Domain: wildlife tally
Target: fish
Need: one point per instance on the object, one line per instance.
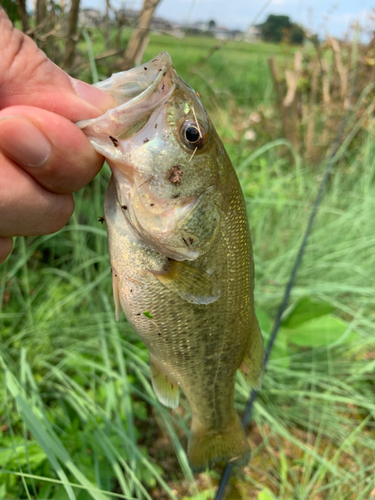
(180, 251)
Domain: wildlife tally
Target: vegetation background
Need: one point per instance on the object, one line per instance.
(78, 417)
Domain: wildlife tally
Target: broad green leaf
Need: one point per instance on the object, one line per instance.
(266, 495)
(321, 331)
(203, 495)
(264, 320)
(280, 353)
(306, 310)
(15, 456)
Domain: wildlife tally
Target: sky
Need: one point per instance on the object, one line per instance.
(321, 16)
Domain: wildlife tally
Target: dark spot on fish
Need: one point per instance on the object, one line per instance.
(152, 204)
(131, 291)
(176, 195)
(145, 68)
(156, 125)
(215, 220)
(153, 60)
(145, 140)
(186, 243)
(160, 69)
(163, 87)
(101, 219)
(159, 334)
(138, 314)
(164, 73)
(198, 94)
(124, 207)
(176, 175)
(114, 140)
(191, 240)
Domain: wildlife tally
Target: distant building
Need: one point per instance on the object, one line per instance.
(160, 24)
(222, 33)
(128, 17)
(253, 34)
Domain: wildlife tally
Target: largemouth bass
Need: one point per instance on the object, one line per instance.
(180, 250)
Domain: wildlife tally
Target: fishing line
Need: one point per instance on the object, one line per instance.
(330, 162)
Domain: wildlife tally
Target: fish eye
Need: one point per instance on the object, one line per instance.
(193, 134)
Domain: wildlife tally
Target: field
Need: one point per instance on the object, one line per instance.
(78, 417)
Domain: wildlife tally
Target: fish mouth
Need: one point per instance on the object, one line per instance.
(137, 83)
(139, 91)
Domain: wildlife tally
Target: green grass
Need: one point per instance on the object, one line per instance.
(78, 417)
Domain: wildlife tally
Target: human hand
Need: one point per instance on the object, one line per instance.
(44, 157)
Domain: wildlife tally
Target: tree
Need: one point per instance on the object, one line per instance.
(280, 28)
(296, 34)
(211, 24)
(140, 36)
(72, 38)
(273, 29)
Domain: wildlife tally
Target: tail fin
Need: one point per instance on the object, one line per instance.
(207, 446)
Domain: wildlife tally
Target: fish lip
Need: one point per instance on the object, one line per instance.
(144, 73)
(156, 71)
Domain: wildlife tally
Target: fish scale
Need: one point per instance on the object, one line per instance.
(181, 256)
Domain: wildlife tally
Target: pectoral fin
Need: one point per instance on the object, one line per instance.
(116, 293)
(252, 364)
(190, 283)
(166, 390)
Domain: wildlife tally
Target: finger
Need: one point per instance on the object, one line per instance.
(55, 152)
(6, 245)
(26, 208)
(28, 77)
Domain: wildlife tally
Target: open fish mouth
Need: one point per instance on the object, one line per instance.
(139, 91)
(137, 83)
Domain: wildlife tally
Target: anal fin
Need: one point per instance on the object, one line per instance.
(166, 390)
(190, 283)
